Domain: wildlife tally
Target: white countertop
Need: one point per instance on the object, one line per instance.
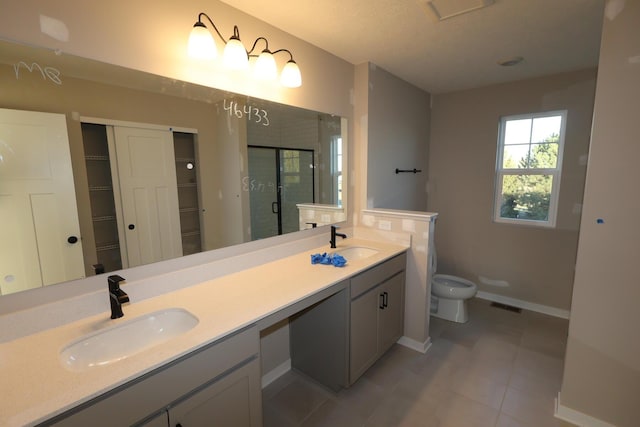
(34, 386)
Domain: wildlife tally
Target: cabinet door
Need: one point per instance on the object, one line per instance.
(391, 315)
(364, 333)
(230, 401)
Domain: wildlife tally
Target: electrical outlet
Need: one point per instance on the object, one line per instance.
(384, 225)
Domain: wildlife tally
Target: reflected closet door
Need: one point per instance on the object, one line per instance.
(148, 194)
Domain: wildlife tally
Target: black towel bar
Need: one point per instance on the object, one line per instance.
(414, 170)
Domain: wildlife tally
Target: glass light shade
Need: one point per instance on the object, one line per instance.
(235, 55)
(291, 76)
(201, 44)
(266, 68)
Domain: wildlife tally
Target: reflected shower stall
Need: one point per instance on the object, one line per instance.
(279, 179)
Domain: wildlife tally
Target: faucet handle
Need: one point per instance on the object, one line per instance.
(114, 282)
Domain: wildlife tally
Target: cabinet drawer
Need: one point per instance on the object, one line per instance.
(146, 395)
(376, 275)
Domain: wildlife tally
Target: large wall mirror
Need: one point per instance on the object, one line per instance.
(104, 168)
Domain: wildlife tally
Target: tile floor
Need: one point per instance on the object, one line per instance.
(500, 369)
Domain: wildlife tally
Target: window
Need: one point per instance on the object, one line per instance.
(290, 166)
(529, 162)
(336, 168)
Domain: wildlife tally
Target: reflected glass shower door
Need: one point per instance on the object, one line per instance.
(263, 192)
(279, 179)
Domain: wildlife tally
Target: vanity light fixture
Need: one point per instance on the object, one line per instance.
(235, 57)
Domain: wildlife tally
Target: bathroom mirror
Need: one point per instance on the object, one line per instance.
(159, 168)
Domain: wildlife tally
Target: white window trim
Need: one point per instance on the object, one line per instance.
(336, 168)
(556, 172)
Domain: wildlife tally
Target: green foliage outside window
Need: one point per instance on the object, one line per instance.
(528, 196)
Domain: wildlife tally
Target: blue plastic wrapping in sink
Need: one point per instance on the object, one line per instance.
(329, 259)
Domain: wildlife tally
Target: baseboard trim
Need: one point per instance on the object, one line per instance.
(276, 373)
(544, 309)
(422, 347)
(576, 417)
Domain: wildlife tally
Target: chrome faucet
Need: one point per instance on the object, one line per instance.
(334, 235)
(117, 296)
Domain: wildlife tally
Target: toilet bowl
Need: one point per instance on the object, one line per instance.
(449, 295)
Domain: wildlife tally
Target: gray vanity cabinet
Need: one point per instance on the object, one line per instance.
(216, 385)
(227, 402)
(377, 314)
(337, 339)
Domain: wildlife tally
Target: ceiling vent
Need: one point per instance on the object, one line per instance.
(445, 9)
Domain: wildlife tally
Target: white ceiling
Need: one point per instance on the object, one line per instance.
(461, 52)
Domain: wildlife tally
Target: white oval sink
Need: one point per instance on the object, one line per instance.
(354, 253)
(126, 339)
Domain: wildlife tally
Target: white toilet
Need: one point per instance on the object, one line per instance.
(449, 295)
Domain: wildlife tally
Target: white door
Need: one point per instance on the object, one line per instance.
(150, 217)
(39, 231)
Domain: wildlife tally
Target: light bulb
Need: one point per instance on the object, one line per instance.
(235, 55)
(266, 68)
(291, 76)
(201, 44)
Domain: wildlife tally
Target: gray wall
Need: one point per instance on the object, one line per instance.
(537, 263)
(602, 364)
(398, 137)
